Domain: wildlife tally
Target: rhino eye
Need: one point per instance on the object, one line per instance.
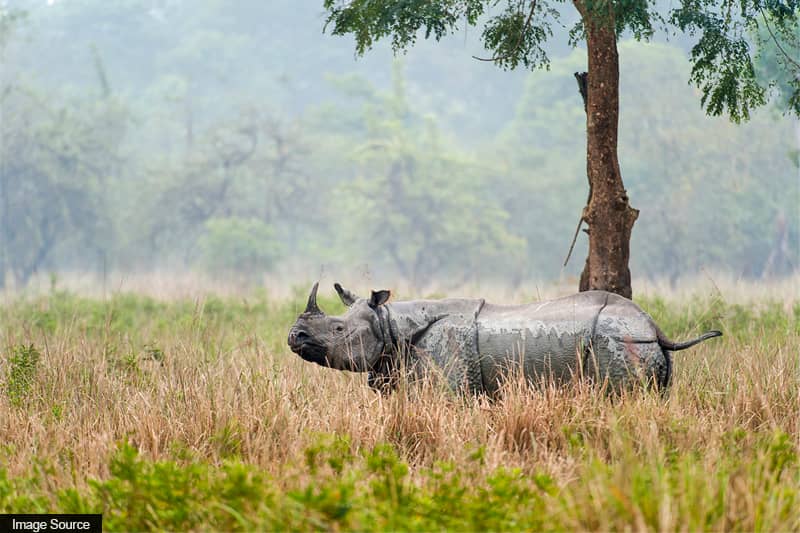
(340, 328)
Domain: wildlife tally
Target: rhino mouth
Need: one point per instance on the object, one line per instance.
(312, 352)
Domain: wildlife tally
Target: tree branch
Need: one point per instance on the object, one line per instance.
(583, 88)
(775, 40)
(580, 8)
(522, 31)
(574, 238)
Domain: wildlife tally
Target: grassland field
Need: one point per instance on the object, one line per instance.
(190, 413)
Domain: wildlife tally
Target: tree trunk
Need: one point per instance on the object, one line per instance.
(608, 214)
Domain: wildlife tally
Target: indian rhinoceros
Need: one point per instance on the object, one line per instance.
(595, 334)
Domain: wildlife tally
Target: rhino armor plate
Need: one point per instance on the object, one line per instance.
(594, 334)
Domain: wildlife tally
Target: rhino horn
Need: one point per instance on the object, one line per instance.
(347, 297)
(311, 306)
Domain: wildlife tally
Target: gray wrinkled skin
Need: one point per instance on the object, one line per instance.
(593, 334)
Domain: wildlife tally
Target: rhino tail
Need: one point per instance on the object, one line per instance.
(674, 346)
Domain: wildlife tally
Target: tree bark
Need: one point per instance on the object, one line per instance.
(608, 214)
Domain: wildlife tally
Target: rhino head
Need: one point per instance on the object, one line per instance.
(354, 341)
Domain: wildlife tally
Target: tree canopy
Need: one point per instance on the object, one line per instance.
(722, 57)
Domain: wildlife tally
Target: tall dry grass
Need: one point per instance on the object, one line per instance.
(211, 380)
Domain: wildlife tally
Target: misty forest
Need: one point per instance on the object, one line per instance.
(184, 182)
(236, 139)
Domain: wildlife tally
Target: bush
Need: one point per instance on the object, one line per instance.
(22, 365)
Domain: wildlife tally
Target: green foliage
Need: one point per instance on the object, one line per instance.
(369, 20)
(722, 65)
(228, 439)
(514, 40)
(371, 491)
(22, 364)
(141, 494)
(778, 60)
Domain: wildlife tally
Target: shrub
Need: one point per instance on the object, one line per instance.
(22, 363)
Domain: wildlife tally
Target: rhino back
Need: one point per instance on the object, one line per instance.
(623, 320)
(550, 338)
(544, 336)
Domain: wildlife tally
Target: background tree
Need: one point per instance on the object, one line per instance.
(160, 135)
(722, 68)
(419, 203)
(234, 245)
(55, 162)
(249, 170)
(675, 162)
(779, 60)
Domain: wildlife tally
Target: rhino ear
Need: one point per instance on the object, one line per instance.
(347, 297)
(379, 298)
